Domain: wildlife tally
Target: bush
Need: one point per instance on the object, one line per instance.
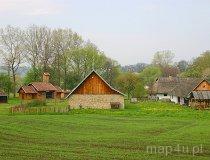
(36, 103)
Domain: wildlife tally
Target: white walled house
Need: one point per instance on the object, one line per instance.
(175, 89)
(167, 96)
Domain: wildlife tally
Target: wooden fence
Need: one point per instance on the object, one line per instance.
(38, 110)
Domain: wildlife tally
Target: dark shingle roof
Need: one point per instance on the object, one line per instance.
(201, 95)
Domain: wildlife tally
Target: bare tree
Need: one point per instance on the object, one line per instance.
(46, 48)
(32, 45)
(163, 58)
(12, 50)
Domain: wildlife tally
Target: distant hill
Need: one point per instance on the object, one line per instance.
(135, 67)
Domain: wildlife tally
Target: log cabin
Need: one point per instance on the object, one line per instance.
(41, 90)
(200, 96)
(94, 92)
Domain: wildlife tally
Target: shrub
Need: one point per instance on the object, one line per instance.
(36, 103)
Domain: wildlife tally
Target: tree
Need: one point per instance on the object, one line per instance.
(139, 90)
(33, 75)
(170, 71)
(127, 82)
(111, 71)
(182, 65)
(163, 58)
(5, 83)
(199, 66)
(11, 41)
(149, 74)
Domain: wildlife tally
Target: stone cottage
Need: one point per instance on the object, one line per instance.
(95, 92)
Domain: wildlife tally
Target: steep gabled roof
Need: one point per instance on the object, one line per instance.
(93, 71)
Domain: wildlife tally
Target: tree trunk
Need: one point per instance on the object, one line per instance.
(65, 73)
(8, 92)
(14, 83)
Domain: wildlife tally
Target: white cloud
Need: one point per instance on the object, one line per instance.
(30, 7)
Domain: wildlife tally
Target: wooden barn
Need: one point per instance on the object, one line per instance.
(200, 96)
(3, 98)
(41, 90)
(95, 92)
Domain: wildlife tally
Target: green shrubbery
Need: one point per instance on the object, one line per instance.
(36, 103)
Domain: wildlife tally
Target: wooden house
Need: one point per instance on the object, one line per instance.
(95, 92)
(3, 97)
(200, 96)
(40, 90)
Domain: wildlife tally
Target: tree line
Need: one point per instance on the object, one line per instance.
(61, 52)
(68, 58)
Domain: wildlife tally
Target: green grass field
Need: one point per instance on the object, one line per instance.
(107, 134)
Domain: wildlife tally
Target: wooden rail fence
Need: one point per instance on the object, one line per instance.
(38, 110)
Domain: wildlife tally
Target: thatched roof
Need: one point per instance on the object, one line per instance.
(175, 86)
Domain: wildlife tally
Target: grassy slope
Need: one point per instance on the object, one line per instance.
(104, 134)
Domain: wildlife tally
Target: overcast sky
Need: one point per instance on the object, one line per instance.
(129, 31)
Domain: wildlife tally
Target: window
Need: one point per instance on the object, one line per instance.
(49, 94)
(165, 94)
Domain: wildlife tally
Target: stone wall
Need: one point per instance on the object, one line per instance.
(95, 101)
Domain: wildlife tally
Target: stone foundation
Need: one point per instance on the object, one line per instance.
(77, 101)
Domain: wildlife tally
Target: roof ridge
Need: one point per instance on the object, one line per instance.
(94, 71)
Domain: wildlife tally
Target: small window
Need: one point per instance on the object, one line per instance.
(165, 94)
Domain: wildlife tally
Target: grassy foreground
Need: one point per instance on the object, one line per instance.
(107, 134)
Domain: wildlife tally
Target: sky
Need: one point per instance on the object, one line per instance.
(129, 31)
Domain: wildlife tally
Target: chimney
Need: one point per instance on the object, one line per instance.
(46, 77)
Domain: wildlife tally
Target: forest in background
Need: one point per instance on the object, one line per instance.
(69, 58)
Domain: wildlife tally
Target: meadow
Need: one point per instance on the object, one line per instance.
(174, 132)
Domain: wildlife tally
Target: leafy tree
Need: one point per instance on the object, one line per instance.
(33, 75)
(199, 67)
(139, 90)
(127, 83)
(149, 74)
(182, 65)
(5, 83)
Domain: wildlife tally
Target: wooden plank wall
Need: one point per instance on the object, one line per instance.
(204, 86)
(94, 85)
